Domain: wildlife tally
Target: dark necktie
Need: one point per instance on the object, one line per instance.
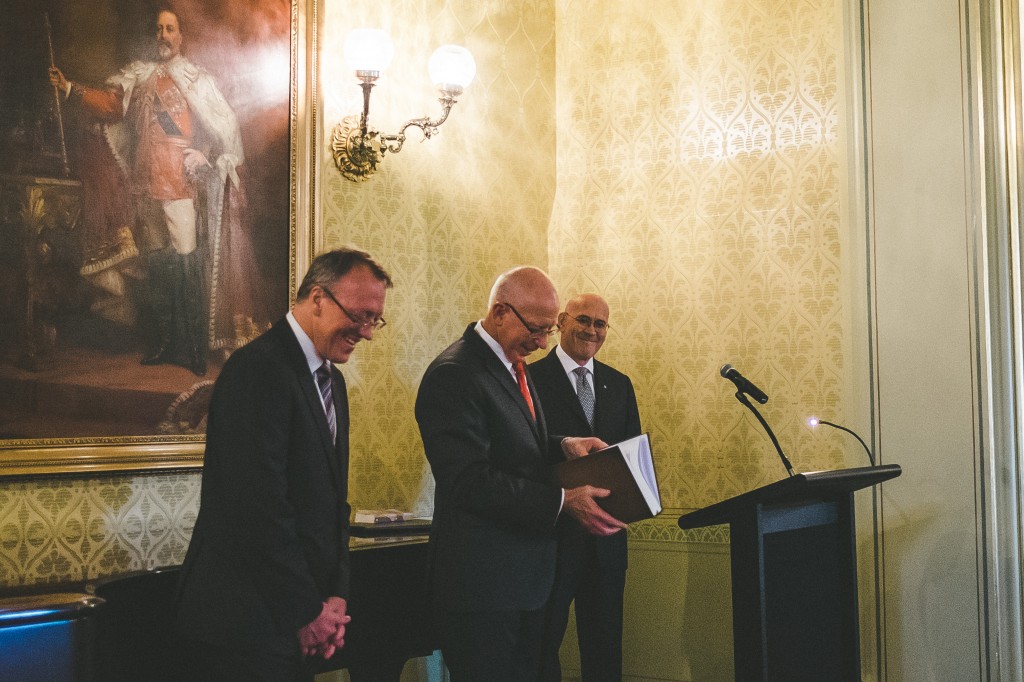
(585, 394)
(323, 381)
(520, 370)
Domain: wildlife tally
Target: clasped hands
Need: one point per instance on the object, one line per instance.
(326, 634)
(581, 503)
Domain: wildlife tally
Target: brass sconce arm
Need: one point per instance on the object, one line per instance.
(393, 143)
(357, 148)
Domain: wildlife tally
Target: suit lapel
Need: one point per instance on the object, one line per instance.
(568, 390)
(610, 404)
(339, 460)
(504, 378)
(508, 384)
(600, 396)
(541, 425)
(316, 406)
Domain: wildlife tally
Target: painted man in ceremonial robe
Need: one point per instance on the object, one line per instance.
(177, 141)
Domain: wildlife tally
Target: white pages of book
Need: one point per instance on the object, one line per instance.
(637, 453)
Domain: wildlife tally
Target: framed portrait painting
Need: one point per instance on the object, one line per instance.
(152, 161)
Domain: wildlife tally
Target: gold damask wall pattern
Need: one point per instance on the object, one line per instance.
(698, 174)
(445, 216)
(699, 188)
(72, 530)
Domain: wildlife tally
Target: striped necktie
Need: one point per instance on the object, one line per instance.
(585, 394)
(323, 381)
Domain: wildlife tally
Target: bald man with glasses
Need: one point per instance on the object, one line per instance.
(584, 397)
(492, 545)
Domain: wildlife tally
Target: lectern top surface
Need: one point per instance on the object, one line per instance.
(813, 485)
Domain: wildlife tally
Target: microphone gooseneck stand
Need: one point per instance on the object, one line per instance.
(740, 396)
(871, 458)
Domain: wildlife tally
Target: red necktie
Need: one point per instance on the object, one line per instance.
(520, 369)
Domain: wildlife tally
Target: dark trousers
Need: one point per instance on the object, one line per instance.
(212, 663)
(492, 646)
(597, 591)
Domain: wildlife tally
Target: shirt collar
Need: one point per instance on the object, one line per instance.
(569, 365)
(493, 345)
(313, 358)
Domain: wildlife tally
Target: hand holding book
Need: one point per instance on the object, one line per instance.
(576, 447)
(626, 469)
(582, 504)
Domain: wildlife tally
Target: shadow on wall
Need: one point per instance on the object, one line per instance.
(678, 614)
(705, 613)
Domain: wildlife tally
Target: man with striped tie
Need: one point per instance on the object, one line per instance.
(265, 581)
(585, 397)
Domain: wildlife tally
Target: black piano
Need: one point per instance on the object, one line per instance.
(390, 618)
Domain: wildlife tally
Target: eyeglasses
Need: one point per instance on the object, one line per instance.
(534, 331)
(375, 323)
(586, 321)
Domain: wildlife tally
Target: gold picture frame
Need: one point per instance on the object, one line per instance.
(86, 454)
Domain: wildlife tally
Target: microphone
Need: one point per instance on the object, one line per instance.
(814, 421)
(745, 388)
(743, 385)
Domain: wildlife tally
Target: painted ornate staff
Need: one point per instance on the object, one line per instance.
(56, 98)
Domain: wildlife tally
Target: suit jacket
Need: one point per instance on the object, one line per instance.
(492, 545)
(616, 418)
(270, 543)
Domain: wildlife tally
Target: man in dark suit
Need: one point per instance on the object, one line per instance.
(492, 545)
(584, 397)
(265, 580)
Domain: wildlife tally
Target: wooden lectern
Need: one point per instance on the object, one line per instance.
(794, 575)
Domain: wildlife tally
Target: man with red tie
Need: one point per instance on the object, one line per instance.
(492, 545)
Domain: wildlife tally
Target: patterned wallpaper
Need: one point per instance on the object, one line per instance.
(699, 191)
(72, 530)
(695, 181)
(445, 216)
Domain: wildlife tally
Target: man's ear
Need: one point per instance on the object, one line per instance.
(316, 297)
(561, 319)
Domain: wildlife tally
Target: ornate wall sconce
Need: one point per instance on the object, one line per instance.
(358, 148)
